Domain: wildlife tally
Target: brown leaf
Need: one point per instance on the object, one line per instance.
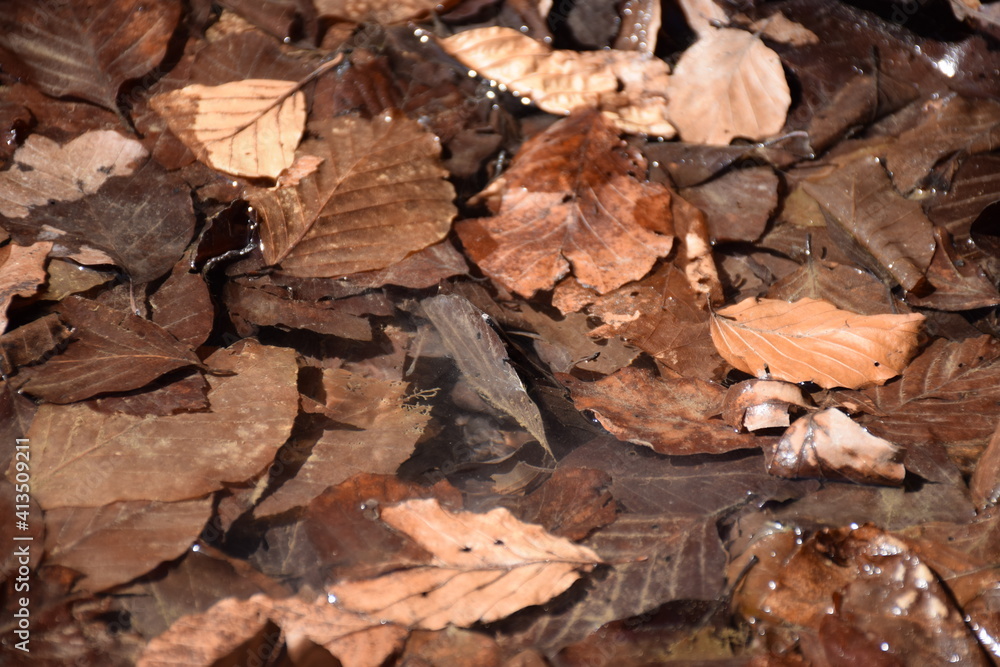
(627, 87)
(572, 503)
(83, 458)
(757, 404)
(246, 128)
(958, 284)
(952, 126)
(29, 343)
(386, 13)
(973, 188)
(22, 270)
(118, 542)
(200, 640)
(949, 394)
(88, 49)
(813, 341)
(828, 444)
(738, 204)
(44, 172)
(865, 212)
(110, 350)
(331, 224)
(384, 433)
(985, 482)
(728, 85)
(482, 358)
(571, 197)
(486, 567)
(846, 287)
(183, 306)
(67, 277)
(422, 269)
(167, 395)
(670, 416)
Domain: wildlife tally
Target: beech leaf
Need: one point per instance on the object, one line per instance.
(245, 128)
(22, 270)
(332, 223)
(628, 87)
(727, 85)
(85, 458)
(485, 567)
(571, 197)
(812, 340)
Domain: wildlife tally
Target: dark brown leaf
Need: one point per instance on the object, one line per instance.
(670, 416)
(164, 396)
(183, 306)
(738, 204)
(29, 343)
(88, 49)
(864, 210)
(985, 482)
(958, 283)
(975, 186)
(572, 197)
(110, 351)
(846, 287)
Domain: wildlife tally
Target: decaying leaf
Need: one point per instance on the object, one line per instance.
(29, 343)
(116, 543)
(84, 458)
(728, 85)
(864, 211)
(985, 482)
(485, 567)
(482, 358)
(628, 87)
(757, 404)
(386, 13)
(670, 416)
(957, 284)
(571, 197)
(22, 270)
(44, 172)
(331, 223)
(846, 287)
(830, 444)
(88, 49)
(246, 128)
(812, 340)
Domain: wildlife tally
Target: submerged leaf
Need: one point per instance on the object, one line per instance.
(813, 341)
(332, 222)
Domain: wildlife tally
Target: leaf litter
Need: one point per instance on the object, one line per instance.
(329, 349)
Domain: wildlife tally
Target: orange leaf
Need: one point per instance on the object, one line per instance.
(813, 341)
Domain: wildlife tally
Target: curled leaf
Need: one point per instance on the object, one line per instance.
(812, 340)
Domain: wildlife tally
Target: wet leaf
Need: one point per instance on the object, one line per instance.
(31, 342)
(758, 404)
(22, 270)
(84, 458)
(829, 444)
(118, 542)
(846, 287)
(738, 204)
(670, 416)
(958, 284)
(985, 482)
(386, 13)
(329, 224)
(813, 341)
(973, 188)
(728, 85)
(88, 49)
(245, 128)
(864, 210)
(485, 567)
(110, 350)
(627, 87)
(571, 198)
(183, 306)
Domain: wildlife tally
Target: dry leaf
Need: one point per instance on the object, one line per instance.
(780, 29)
(485, 567)
(22, 270)
(482, 358)
(333, 223)
(84, 458)
(246, 128)
(44, 172)
(757, 404)
(813, 341)
(727, 85)
(830, 444)
(571, 197)
(628, 87)
(379, 11)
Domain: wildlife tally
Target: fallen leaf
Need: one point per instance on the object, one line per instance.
(246, 128)
(164, 396)
(118, 542)
(627, 87)
(385, 13)
(572, 503)
(703, 16)
(757, 404)
(985, 482)
(738, 204)
(779, 29)
(482, 358)
(43, 172)
(571, 197)
(829, 444)
(67, 277)
(846, 287)
(22, 270)
(973, 188)
(813, 341)
(485, 567)
(83, 458)
(200, 640)
(88, 49)
(949, 394)
(31, 342)
(727, 85)
(958, 284)
(331, 225)
(183, 306)
(110, 351)
(669, 416)
(865, 212)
